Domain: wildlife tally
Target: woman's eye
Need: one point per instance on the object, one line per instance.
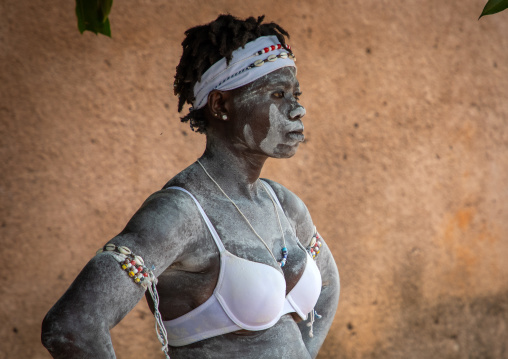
(278, 94)
(297, 96)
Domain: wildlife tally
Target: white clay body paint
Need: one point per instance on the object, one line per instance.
(285, 129)
(299, 111)
(248, 136)
(280, 127)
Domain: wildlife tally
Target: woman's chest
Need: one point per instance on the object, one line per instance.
(243, 266)
(238, 250)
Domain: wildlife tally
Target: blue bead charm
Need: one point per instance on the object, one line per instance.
(284, 252)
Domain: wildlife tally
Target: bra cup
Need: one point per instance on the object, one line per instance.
(304, 295)
(251, 293)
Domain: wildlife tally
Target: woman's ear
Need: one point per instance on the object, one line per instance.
(217, 104)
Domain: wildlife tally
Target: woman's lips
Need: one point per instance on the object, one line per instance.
(297, 135)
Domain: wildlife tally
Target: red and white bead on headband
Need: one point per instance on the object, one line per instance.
(256, 59)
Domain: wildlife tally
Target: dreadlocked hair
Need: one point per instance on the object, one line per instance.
(205, 45)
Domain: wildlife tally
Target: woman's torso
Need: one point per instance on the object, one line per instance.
(191, 280)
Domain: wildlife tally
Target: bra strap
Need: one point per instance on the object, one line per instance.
(211, 228)
(272, 193)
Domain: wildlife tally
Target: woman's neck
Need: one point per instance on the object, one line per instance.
(234, 169)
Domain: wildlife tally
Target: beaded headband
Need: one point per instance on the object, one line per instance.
(247, 65)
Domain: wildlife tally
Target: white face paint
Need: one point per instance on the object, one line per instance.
(281, 136)
(299, 111)
(271, 121)
(275, 134)
(248, 136)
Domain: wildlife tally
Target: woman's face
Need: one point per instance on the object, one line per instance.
(266, 115)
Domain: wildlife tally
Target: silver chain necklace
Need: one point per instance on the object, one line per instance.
(284, 250)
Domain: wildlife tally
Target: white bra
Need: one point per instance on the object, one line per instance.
(249, 295)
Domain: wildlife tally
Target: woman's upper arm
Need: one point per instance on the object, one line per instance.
(103, 293)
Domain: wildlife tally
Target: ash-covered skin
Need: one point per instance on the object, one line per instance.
(275, 99)
(264, 120)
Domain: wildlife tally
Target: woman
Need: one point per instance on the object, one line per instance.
(241, 270)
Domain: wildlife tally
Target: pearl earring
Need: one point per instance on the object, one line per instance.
(224, 117)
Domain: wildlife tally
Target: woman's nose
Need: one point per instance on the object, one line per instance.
(297, 113)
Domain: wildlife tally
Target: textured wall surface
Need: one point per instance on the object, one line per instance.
(405, 167)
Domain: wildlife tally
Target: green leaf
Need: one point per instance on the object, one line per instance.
(494, 6)
(93, 16)
(106, 29)
(81, 16)
(105, 8)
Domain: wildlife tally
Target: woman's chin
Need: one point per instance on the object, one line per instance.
(285, 151)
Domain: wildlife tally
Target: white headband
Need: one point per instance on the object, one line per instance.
(256, 59)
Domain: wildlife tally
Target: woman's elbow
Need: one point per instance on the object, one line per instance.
(56, 336)
(67, 337)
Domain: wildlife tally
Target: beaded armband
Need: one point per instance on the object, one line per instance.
(314, 248)
(131, 263)
(136, 269)
(315, 244)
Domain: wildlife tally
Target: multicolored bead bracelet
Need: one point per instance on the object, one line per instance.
(315, 244)
(314, 248)
(135, 267)
(131, 263)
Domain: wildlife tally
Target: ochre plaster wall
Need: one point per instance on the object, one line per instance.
(405, 168)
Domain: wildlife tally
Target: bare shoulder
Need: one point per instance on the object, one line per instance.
(163, 211)
(162, 229)
(295, 210)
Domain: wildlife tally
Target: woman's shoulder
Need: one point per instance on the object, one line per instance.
(295, 210)
(172, 202)
(188, 176)
(177, 203)
(285, 196)
(166, 227)
(163, 215)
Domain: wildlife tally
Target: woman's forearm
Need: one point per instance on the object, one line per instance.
(78, 325)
